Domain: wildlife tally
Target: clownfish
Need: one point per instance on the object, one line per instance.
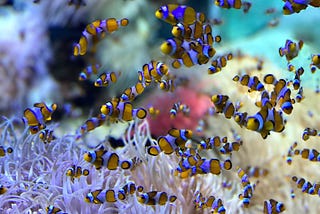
(294, 6)
(37, 116)
(315, 62)
(167, 85)
(122, 110)
(88, 71)
(273, 207)
(291, 49)
(307, 132)
(4, 151)
(102, 157)
(311, 154)
(46, 136)
(252, 82)
(96, 31)
(229, 147)
(291, 153)
(130, 188)
(223, 105)
(129, 94)
(236, 4)
(54, 210)
(187, 32)
(211, 202)
(156, 198)
(2, 189)
(178, 107)
(153, 112)
(175, 13)
(253, 171)
(306, 186)
(212, 142)
(218, 63)
(76, 172)
(92, 123)
(105, 78)
(101, 196)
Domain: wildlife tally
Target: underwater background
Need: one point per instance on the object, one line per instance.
(131, 106)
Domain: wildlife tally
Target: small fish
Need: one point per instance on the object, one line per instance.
(307, 132)
(156, 198)
(88, 71)
(218, 63)
(223, 105)
(153, 112)
(256, 172)
(54, 210)
(46, 136)
(273, 207)
(194, 31)
(291, 49)
(315, 62)
(101, 196)
(252, 82)
(175, 13)
(102, 157)
(76, 172)
(311, 154)
(4, 151)
(306, 186)
(105, 78)
(92, 123)
(236, 4)
(3, 189)
(167, 85)
(229, 147)
(178, 107)
(96, 31)
(122, 110)
(294, 6)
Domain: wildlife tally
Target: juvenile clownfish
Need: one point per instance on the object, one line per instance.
(218, 63)
(167, 85)
(153, 112)
(102, 157)
(156, 198)
(101, 196)
(122, 110)
(306, 186)
(129, 94)
(291, 49)
(311, 154)
(194, 31)
(213, 166)
(307, 132)
(291, 152)
(253, 83)
(92, 123)
(266, 120)
(229, 147)
(273, 207)
(54, 210)
(4, 151)
(194, 57)
(178, 107)
(256, 172)
(315, 62)
(46, 111)
(37, 116)
(76, 172)
(175, 13)
(3, 189)
(88, 71)
(291, 6)
(96, 31)
(130, 188)
(46, 136)
(223, 105)
(237, 4)
(211, 202)
(212, 142)
(173, 141)
(105, 78)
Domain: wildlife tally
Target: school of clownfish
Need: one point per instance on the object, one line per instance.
(191, 44)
